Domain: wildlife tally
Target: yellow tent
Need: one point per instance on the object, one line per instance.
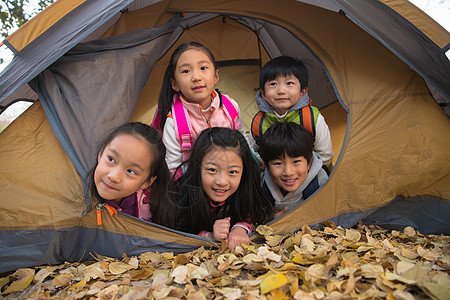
(96, 65)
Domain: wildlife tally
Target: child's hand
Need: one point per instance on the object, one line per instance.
(221, 229)
(237, 236)
(279, 213)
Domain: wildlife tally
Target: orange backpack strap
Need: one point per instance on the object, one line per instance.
(306, 115)
(256, 128)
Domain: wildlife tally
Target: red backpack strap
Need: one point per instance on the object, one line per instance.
(182, 131)
(306, 115)
(230, 110)
(256, 128)
(156, 122)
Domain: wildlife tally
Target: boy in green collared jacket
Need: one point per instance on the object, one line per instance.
(283, 97)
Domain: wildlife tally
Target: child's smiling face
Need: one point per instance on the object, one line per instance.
(195, 77)
(283, 92)
(288, 173)
(123, 168)
(221, 172)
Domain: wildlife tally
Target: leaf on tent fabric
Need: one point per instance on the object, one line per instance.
(41, 275)
(4, 281)
(274, 240)
(60, 281)
(365, 262)
(110, 292)
(162, 293)
(409, 231)
(306, 244)
(160, 278)
(119, 267)
(402, 295)
(315, 272)
(302, 295)
(140, 274)
(180, 274)
(152, 257)
(403, 267)
(23, 278)
(277, 294)
(181, 259)
(133, 262)
(430, 255)
(93, 273)
(78, 285)
(409, 253)
(371, 270)
(140, 292)
(272, 281)
(263, 252)
(250, 258)
(352, 235)
(264, 230)
(391, 277)
(229, 293)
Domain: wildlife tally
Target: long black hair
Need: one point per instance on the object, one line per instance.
(166, 93)
(248, 202)
(162, 206)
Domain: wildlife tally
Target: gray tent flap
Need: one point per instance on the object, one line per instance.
(56, 41)
(428, 215)
(57, 246)
(279, 41)
(92, 88)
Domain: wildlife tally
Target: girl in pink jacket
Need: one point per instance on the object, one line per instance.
(188, 103)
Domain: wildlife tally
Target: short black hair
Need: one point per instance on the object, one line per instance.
(283, 66)
(289, 138)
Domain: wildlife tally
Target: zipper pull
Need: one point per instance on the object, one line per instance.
(112, 211)
(99, 213)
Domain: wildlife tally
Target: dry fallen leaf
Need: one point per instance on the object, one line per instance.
(363, 262)
(23, 279)
(272, 281)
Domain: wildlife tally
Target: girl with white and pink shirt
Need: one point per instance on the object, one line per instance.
(188, 103)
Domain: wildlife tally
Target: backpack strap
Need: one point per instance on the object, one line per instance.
(256, 128)
(311, 188)
(306, 115)
(182, 130)
(156, 122)
(230, 110)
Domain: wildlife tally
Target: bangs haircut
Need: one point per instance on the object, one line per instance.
(283, 66)
(290, 139)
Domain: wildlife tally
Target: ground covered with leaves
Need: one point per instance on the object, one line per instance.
(334, 263)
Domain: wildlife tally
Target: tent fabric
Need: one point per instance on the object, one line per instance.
(37, 26)
(400, 39)
(391, 135)
(52, 43)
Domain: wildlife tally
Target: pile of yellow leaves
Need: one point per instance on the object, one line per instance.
(333, 263)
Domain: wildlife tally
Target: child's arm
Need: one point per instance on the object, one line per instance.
(322, 142)
(174, 156)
